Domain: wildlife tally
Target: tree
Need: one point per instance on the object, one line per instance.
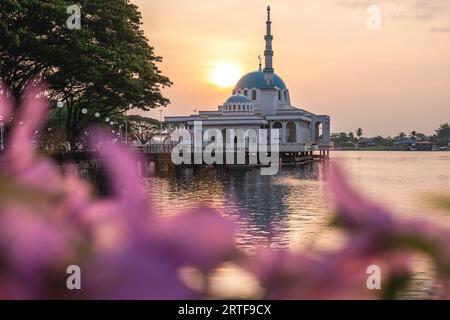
(351, 137)
(422, 137)
(106, 67)
(413, 134)
(143, 129)
(401, 136)
(443, 135)
(359, 133)
(340, 140)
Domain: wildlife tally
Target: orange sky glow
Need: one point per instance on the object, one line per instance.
(384, 81)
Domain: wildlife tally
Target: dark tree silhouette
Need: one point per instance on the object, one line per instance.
(106, 67)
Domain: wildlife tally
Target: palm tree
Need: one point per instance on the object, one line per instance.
(402, 136)
(413, 134)
(359, 133)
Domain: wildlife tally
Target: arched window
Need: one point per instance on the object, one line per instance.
(239, 107)
(234, 107)
(285, 95)
(291, 132)
(246, 93)
(279, 95)
(253, 94)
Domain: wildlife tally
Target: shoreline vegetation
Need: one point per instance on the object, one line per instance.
(415, 141)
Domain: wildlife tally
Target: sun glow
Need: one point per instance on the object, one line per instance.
(224, 74)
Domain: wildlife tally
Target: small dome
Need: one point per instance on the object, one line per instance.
(256, 80)
(238, 98)
(238, 103)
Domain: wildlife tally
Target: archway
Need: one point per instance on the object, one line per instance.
(318, 132)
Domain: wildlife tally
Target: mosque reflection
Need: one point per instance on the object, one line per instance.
(277, 210)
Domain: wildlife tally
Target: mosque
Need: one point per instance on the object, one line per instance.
(261, 100)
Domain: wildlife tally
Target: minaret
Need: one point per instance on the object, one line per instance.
(268, 53)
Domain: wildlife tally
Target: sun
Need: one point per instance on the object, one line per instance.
(224, 74)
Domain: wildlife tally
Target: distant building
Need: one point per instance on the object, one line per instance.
(424, 146)
(414, 145)
(405, 144)
(367, 142)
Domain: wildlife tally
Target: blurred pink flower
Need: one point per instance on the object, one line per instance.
(50, 220)
(124, 249)
(374, 230)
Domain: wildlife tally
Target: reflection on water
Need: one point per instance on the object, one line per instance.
(279, 210)
(290, 210)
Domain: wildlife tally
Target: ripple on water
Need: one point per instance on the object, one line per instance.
(291, 211)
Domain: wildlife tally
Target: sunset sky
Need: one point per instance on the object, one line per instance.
(384, 81)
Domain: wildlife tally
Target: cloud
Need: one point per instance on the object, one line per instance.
(357, 4)
(352, 4)
(440, 29)
(414, 10)
(420, 10)
(418, 16)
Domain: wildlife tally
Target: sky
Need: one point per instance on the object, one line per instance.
(387, 80)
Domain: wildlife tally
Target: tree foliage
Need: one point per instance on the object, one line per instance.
(349, 141)
(107, 66)
(443, 135)
(143, 131)
(359, 132)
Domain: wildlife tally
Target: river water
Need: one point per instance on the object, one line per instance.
(291, 210)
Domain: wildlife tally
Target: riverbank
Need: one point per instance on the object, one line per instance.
(376, 148)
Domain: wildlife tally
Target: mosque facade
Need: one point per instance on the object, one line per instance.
(261, 100)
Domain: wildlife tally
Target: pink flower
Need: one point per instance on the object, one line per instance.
(50, 220)
(374, 230)
(124, 249)
(145, 263)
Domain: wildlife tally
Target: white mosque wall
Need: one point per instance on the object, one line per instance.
(282, 97)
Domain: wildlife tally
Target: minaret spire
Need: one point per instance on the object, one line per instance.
(260, 65)
(268, 52)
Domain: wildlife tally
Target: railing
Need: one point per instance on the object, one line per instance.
(283, 147)
(154, 148)
(168, 147)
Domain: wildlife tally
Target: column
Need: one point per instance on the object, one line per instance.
(283, 132)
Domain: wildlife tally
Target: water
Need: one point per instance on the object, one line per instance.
(272, 210)
(291, 210)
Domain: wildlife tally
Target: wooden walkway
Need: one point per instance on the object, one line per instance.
(162, 153)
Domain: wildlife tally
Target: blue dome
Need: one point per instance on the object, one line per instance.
(256, 80)
(238, 98)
